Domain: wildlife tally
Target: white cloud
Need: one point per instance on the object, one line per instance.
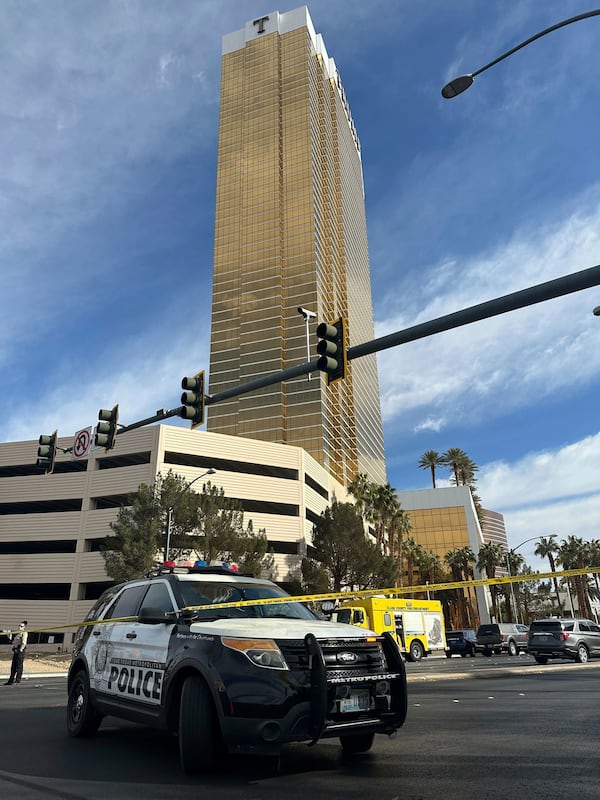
(548, 476)
(141, 377)
(431, 424)
(487, 368)
(548, 492)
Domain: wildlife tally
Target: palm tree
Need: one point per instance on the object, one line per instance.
(399, 525)
(490, 556)
(430, 460)
(574, 554)
(430, 567)
(459, 560)
(384, 507)
(360, 489)
(412, 552)
(594, 547)
(546, 548)
(456, 460)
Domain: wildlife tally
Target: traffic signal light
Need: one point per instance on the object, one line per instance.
(332, 349)
(106, 429)
(193, 399)
(46, 453)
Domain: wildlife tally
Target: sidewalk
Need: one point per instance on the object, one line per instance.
(37, 665)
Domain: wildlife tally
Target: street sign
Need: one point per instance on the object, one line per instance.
(82, 443)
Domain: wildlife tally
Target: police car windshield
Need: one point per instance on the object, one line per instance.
(200, 593)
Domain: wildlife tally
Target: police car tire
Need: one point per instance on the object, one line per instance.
(198, 733)
(82, 718)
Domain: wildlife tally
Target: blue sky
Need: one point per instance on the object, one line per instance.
(108, 138)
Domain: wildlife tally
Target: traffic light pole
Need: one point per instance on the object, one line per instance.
(558, 287)
(568, 284)
(492, 308)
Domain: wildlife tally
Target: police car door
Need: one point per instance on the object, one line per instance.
(106, 639)
(138, 662)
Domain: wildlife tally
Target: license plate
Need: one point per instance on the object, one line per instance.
(358, 701)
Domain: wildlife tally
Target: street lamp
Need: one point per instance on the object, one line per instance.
(462, 82)
(512, 589)
(209, 471)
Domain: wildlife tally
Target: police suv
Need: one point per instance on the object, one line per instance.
(240, 678)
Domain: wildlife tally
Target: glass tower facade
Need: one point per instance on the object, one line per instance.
(290, 232)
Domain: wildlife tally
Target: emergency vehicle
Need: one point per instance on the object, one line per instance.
(417, 625)
(244, 678)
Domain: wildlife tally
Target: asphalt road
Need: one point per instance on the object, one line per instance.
(475, 729)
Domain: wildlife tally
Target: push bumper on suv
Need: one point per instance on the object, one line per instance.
(332, 694)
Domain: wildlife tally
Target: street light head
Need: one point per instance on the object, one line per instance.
(457, 86)
(596, 311)
(210, 471)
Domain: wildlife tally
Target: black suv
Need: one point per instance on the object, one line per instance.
(575, 639)
(230, 663)
(462, 643)
(489, 639)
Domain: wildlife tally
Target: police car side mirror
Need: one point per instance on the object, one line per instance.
(153, 616)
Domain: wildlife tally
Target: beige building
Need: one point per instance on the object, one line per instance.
(51, 526)
(290, 232)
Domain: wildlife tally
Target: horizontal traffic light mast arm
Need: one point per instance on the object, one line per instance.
(558, 287)
(266, 380)
(575, 282)
(164, 413)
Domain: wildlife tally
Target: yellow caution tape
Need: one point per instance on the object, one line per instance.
(394, 591)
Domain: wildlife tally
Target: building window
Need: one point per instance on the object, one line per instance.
(33, 547)
(35, 591)
(127, 460)
(316, 486)
(40, 506)
(228, 465)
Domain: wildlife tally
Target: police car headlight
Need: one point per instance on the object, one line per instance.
(261, 652)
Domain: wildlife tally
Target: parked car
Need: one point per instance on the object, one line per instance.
(575, 639)
(496, 637)
(489, 639)
(513, 637)
(247, 677)
(461, 643)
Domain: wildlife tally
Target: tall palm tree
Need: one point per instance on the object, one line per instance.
(360, 489)
(460, 560)
(384, 507)
(490, 557)
(574, 554)
(546, 548)
(399, 525)
(430, 567)
(455, 459)
(412, 552)
(594, 546)
(430, 460)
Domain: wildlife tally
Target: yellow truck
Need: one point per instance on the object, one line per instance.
(417, 625)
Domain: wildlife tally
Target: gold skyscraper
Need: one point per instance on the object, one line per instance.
(290, 232)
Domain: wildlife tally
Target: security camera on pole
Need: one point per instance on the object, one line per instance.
(307, 315)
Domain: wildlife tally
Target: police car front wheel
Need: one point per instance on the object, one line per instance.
(198, 728)
(82, 718)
